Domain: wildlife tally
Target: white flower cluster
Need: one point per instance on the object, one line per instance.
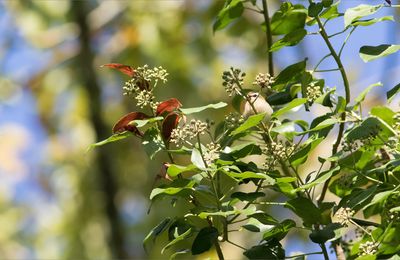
(264, 80)
(368, 248)
(212, 153)
(182, 135)
(313, 92)
(276, 151)
(139, 86)
(344, 215)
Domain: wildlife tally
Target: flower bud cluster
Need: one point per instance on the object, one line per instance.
(233, 120)
(181, 135)
(156, 73)
(212, 153)
(313, 92)
(276, 151)
(233, 81)
(264, 80)
(344, 216)
(368, 248)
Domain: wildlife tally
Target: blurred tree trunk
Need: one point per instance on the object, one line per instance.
(105, 174)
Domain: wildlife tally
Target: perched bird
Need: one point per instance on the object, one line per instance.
(259, 104)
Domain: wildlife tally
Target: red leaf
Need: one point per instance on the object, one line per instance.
(169, 123)
(123, 124)
(168, 106)
(128, 70)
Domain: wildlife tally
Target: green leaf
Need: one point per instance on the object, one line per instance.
(314, 9)
(369, 53)
(324, 124)
(113, 138)
(370, 127)
(152, 142)
(264, 218)
(177, 239)
(176, 187)
(328, 233)
(232, 10)
(252, 121)
(305, 209)
(325, 99)
(384, 113)
(290, 39)
(327, 3)
(155, 232)
(243, 150)
(204, 240)
(288, 18)
(270, 250)
(251, 196)
(301, 155)
(141, 123)
(279, 231)
(391, 93)
(197, 159)
(180, 252)
(293, 104)
(290, 72)
(188, 111)
(372, 21)
(174, 169)
(248, 175)
(360, 98)
(355, 13)
(331, 12)
(322, 178)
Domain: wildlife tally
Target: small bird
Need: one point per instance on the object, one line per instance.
(260, 105)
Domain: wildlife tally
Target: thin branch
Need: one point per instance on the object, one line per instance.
(269, 38)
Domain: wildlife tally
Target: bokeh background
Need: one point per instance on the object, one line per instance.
(59, 202)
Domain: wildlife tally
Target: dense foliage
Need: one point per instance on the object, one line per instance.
(232, 174)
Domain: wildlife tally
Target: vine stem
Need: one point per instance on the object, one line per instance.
(269, 38)
(347, 98)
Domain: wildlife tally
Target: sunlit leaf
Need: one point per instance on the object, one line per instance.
(288, 18)
(290, 39)
(177, 187)
(113, 138)
(372, 21)
(392, 93)
(177, 240)
(232, 10)
(174, 170)
(360, 11)
(197, 159)
(152, 142)
(293, 104)
(369, 53)
(250, 122)
(188, 111)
